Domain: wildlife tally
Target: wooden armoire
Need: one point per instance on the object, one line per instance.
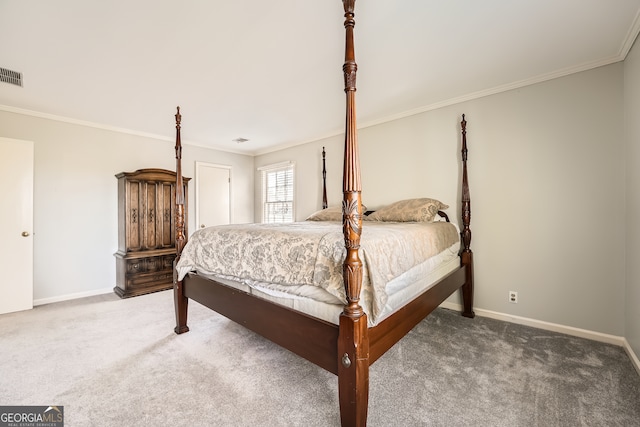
(146, 231)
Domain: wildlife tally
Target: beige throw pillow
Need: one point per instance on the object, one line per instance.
(333, 213)
(410, 210)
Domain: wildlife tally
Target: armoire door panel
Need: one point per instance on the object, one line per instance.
(165, 230)
(151, 218)
(133, 225)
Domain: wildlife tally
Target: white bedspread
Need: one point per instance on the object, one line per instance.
(290, 257)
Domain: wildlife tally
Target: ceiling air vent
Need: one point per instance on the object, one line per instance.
(9, 76)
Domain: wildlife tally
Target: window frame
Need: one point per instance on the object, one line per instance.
(265, 172)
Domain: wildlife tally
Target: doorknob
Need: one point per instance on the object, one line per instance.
(201, 225)
(25, 234)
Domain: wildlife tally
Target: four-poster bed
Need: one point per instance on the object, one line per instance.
(350, 342)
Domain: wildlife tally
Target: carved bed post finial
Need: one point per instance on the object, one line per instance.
(350, 67)
(325, 205)
(180, 231)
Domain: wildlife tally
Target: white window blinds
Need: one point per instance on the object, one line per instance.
(277, 190)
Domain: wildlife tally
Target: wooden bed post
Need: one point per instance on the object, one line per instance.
(181, 302)
(353, 340)
(466, 257)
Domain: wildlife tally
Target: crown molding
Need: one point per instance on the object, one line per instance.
(109, 128)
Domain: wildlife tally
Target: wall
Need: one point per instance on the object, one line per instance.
(546, 165)
(632, 135)
(75, 196)
(547, 169)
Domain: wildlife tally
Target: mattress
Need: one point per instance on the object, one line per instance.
(299, 265)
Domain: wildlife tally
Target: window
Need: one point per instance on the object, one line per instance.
(277, 193)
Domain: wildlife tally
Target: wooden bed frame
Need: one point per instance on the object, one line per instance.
(349, 348)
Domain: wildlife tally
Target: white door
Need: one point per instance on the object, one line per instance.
(16, 225)
(213, 194)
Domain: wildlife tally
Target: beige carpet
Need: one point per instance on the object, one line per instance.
(113, 362)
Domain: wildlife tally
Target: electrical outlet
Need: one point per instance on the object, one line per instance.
(513, 297)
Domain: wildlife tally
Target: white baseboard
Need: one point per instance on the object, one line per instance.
(68, 297)
(632, 356)
(569, 330)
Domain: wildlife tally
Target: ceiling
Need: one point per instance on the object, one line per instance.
(271, 71)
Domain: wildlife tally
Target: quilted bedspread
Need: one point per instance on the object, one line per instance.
(285, 256)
